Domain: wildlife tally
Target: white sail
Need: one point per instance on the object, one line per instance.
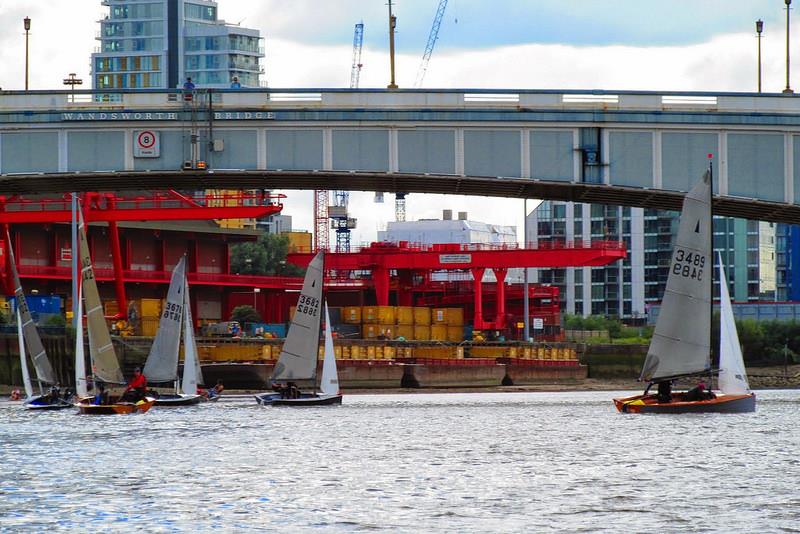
(44, 371)
(732, 375)
(681, 341)
(162, 362)
(329, 384)
(192, 374)
(81, 387)
(23, 360)
(105, 365)
(298, 358)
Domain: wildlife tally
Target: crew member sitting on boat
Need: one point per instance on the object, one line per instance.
(216, 391)
(665, 392)
(698, 393)
(137, 387)
(101, 398)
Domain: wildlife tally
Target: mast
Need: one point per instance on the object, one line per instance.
(711, 262)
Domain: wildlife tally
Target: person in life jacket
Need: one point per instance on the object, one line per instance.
(137, 387)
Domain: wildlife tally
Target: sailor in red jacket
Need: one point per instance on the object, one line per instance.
(137, 387)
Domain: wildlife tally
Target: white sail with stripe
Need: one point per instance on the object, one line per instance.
(681, 341)
(298, 358)
(162, 361)
(329, 383)
(192, 373)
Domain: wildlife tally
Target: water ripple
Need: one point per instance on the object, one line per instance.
(526, 462)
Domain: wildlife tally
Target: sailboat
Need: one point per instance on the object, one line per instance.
(28, 336)
(105, 365)
(298, 358)
(162, 362)
(681, 344)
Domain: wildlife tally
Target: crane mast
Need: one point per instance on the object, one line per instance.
(432, 37)
(358, 42)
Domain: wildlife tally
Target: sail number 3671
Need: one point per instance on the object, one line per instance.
(689, 264)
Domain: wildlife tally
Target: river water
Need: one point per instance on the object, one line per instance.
(478, 462)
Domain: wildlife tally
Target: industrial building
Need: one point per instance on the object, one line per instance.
(159, 43)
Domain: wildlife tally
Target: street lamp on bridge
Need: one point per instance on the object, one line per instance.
(27, 23)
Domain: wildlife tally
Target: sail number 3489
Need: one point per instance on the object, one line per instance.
(689, 264)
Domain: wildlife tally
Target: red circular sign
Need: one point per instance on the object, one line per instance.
(146, 139)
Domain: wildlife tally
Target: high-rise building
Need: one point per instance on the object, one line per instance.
(627, 288)
(159, 43)
(787, 258)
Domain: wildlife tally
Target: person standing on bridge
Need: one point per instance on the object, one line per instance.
(235, 83)
(188, 89)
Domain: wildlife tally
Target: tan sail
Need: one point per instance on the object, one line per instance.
(44, 371)
(105, 365)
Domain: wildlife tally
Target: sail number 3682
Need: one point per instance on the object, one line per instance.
(689, 264)
(308, 305)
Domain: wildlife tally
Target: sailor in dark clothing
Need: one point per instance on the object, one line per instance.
(665, 392)
(697, 393)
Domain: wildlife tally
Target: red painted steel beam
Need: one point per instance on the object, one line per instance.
(141, 214)
(458, 258)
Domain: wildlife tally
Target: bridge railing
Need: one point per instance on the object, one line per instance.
(266, 99)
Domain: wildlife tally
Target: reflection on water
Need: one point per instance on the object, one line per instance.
(515, 462)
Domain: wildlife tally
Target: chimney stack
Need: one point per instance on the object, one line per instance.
(462, 215)
(447, 215)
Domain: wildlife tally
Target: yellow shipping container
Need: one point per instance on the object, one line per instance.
(439, 332)
(371, 331)
(150, 307)
(404, 315)
(455, 316)
(387, 331)
(405, 331)
(386, 315)
(110, 307)
(455, 333)
(369, 314)
(439, 316)
(422, 316)
(351, 314)
(149, 326)
(422, 333)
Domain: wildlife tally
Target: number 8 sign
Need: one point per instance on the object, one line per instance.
(146, 144)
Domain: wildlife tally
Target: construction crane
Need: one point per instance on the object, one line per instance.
(358, 42)
(432, 37)
(338, 214)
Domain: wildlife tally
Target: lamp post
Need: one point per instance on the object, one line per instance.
(759, 29)
(392, 26)
(788, 89)
(256, 291)
(27, 22)
(73, 81)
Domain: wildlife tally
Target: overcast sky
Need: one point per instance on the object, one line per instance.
(705, 45)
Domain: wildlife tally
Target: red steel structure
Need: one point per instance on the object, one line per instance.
(409, 260)
(112, 209)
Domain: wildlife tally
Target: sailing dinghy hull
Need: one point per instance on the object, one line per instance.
(120, 408)
(275, 399)
(38, 404)
(721, 404)
(178, 400)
